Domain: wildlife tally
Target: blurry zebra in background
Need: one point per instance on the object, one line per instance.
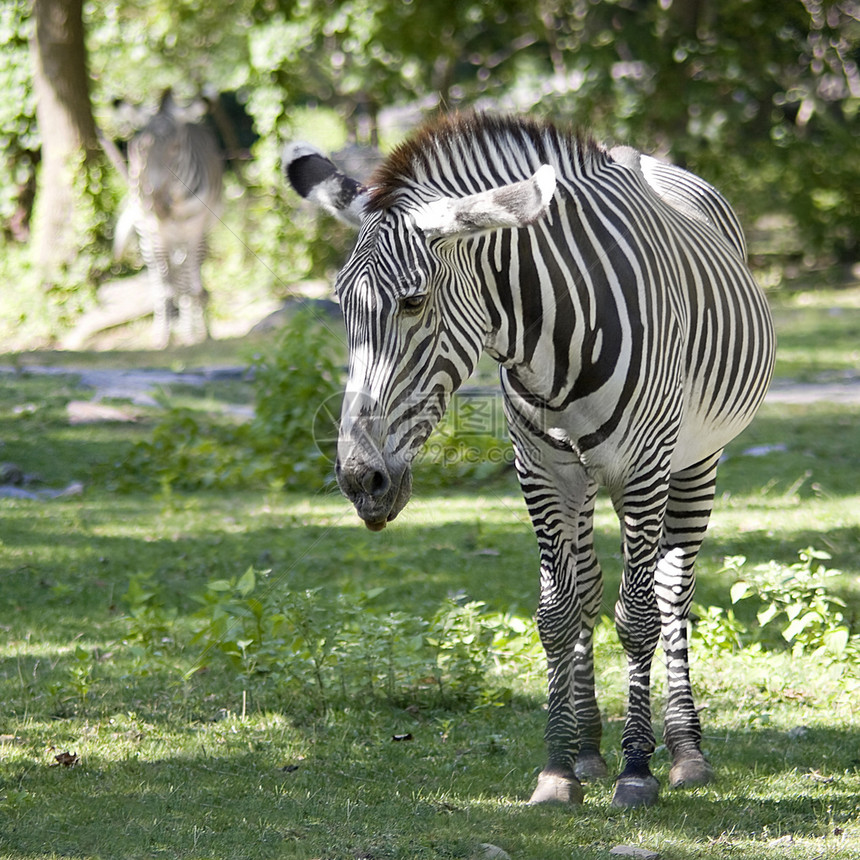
(175, 171)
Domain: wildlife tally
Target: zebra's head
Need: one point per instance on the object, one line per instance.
(415, 314)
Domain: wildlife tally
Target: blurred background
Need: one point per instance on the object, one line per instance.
(760, 98)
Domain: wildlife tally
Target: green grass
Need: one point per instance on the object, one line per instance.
(186, 753)
(817, 341)
(170, 766)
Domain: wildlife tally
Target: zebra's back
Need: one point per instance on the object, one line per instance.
(666, 323)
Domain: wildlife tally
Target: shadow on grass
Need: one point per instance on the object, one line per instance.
(243, 791)
(59, 560)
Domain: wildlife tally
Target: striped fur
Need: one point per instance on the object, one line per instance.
(633, 344)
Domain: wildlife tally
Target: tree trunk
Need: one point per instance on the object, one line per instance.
(69, 141)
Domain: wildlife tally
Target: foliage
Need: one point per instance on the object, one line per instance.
(97, 194)
(470, 443)
(19, 140)
(796, 598)
(718, 630)
(757, 97)
(793, 598)
(297, 376)
(760, 98)
(325, 650)
(751, 95)
(186, 451)
(292, 383)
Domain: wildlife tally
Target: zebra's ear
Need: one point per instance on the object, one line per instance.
(315, 178)
(516, 205)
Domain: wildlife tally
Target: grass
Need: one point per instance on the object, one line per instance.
(183, 751)
(229, 766)
(816, 342)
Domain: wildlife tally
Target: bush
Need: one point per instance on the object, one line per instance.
(294, 384)
(188, 451)
(793, 599)
(328, 649)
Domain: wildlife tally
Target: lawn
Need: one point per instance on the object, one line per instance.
(247, 672)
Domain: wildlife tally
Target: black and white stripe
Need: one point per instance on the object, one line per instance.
(633, 343)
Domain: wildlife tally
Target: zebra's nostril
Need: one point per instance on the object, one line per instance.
(376, 483)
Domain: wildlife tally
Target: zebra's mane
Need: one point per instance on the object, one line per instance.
(460, 154)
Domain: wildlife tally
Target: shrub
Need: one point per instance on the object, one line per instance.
(190, 451)
(793, 599)
(327, 649)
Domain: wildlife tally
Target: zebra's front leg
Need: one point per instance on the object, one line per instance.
(559, 620)
(637, 619)
(565, 634)
(157, 262)
(560, 498)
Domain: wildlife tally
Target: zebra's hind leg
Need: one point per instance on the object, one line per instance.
(691, 497)
(192, 297)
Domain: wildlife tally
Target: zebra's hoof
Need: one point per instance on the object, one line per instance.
(690, 772)
(556, 788)
(633, 791)
(590, 766)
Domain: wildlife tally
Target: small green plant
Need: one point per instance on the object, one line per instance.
(236, 623)
(460, 636)
(329, 649)
(796, 600)
(793, 600)
(80, 673)
(718, 629)
(190, 451)
(149, 620)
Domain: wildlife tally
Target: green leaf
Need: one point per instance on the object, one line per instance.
(739, 591)
(837, 640)
(794, 610)
(247, 582)
(799, 625)
(766, 615)
(219, 585)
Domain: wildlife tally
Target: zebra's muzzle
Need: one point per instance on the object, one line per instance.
(378, 492)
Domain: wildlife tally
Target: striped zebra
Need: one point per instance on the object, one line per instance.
(634, 344)
(175, 173)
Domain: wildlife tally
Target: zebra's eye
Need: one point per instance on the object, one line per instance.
(412, 304)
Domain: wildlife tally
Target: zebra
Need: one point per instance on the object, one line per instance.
(633, 345)
(175, 175)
